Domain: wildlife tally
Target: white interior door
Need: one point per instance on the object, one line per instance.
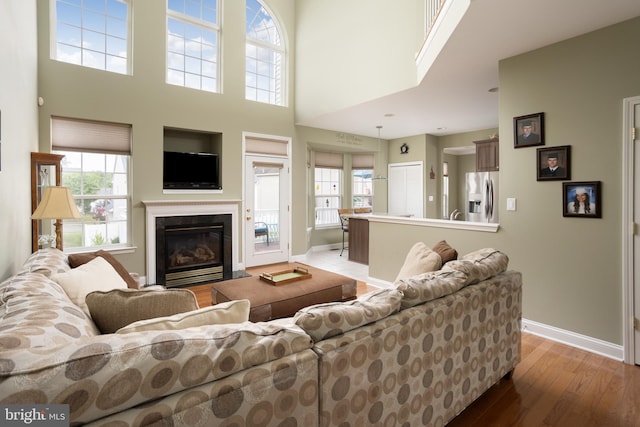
(636, 236)
(406, 189)
(266, 210)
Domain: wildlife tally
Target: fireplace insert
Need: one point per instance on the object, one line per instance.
(193, 249)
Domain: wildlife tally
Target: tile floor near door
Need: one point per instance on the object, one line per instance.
(331, 260)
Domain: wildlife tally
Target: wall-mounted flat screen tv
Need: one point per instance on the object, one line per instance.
(191, 171)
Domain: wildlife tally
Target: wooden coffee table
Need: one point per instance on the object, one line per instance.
(273, 302)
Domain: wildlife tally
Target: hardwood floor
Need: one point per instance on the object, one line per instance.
(559, 385)
(553, 385)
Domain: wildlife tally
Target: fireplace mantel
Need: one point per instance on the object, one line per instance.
(168, 208)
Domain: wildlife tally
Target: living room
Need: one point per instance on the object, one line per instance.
(573, 273)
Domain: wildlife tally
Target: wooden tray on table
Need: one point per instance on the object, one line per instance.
(286, 276)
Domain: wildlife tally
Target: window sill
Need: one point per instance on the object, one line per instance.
(112, 250)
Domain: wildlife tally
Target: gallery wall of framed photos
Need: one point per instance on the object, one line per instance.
(580, 199)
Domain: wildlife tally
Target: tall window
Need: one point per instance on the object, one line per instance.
(361, 180)
(193, 46)
(93, 33)
(328, 188)
(96, 168)
(328, 183)
(264, 56)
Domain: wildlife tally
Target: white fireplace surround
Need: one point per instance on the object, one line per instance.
(169, 208)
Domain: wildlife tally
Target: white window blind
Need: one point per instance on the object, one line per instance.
(90, 136)
(329, 160)
(362, 161)
(275, 147)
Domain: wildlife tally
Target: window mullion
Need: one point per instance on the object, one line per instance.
(191, 20)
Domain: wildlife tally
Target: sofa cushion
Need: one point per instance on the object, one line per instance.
(420, 259)
(47, 261)
(37, 313)
(114, 309)
(224, 313)
(104, 374)
(446, 252)
(480, 265)
(429, 286)
(76, 260)
(96, 275)
(326, 320)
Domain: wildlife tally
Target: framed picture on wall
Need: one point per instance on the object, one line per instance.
(554, 163)
(528, 130)
(582, 199)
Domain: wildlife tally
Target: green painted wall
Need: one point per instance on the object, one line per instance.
(571, 266)
(149, 104)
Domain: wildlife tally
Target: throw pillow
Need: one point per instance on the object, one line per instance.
(420, 259)
(96, 275)
(117, 308)
(236, 311)
(76, 260)
(446, 252)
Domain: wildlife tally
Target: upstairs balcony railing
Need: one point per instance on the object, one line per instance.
(432, 10)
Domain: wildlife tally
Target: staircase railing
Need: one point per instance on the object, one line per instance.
(433, 8)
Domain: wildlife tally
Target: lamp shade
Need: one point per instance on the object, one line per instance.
(57, 203)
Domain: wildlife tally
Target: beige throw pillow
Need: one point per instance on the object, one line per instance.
(95, 275)
(236, 311)
(420, 259)
(76, 260)
(115, 309)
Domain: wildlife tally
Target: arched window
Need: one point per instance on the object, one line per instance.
(265, 56)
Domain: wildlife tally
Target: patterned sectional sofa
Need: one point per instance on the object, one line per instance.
(416, 354)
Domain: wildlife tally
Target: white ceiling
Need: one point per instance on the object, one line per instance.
(453, 97)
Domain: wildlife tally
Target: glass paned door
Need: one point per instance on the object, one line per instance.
(266, 210)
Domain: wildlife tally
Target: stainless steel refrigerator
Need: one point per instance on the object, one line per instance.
(481, 197)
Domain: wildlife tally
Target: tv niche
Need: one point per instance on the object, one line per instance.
(191, 160)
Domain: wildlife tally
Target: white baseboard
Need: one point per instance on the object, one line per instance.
(379, 283)
(594, 345)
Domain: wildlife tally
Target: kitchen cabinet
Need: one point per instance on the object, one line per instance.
(487, 155)
(359, 239)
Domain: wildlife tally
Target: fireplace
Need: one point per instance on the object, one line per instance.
(193, 249)
(155, 209)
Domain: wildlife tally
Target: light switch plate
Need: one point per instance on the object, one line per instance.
(511, 204)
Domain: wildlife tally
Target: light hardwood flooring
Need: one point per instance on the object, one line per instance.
(558, 385)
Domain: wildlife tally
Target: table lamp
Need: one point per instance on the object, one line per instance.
(57, 203)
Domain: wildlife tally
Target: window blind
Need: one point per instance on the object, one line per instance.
(275, 147)
(362, 161)
(92, 136)
(329, 160)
